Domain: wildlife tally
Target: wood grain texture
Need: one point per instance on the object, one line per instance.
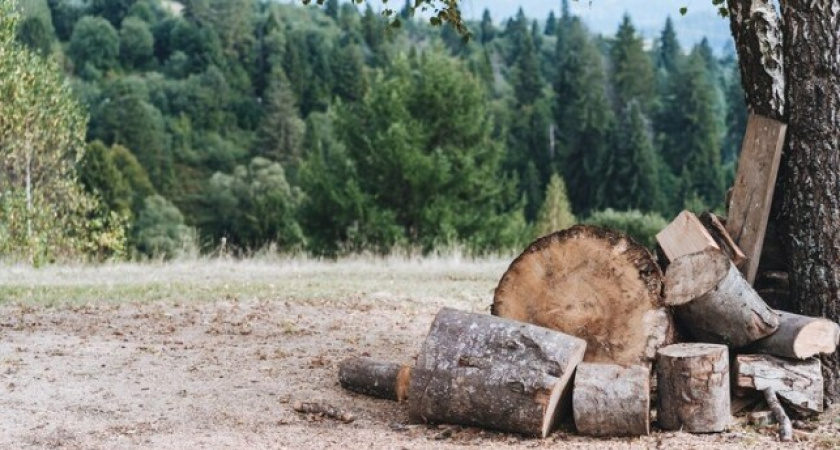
(798, 383)
(800, 337)
(685, 235)
(755, 183)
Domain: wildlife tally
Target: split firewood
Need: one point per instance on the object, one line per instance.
(755, 182)
(323, 409)
(685, 235)
(714, 225)
(480, 370)
(693, 388)
(785, 427)
(612, 400)
(800, 337)
(715, 303)
(798, 383)
(596, 284)
(375, 378)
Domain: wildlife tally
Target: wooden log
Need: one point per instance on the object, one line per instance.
(685, 235)
(752, 195)
(716, 228)
(480, 370)
(611, 400)
(798, 383)
(693, 388)
(596, 284)
(375, 378)
(785, 427)
(800, 337)
(715, 303)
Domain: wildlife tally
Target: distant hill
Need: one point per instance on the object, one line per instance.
(603, 16)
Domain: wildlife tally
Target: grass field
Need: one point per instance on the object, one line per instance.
(210, 354)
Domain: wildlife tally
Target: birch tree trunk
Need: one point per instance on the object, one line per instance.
(789, 67)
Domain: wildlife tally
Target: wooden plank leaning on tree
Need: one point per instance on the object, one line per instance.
(755, 182)
(596, 284)
(715, 303)
(480, 370)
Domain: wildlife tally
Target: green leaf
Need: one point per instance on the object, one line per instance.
(683, 10)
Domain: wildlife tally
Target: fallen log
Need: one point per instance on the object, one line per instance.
(715, 303)
(592, 283)
(800, 337)
(611, 400)
(375, 378)
(785, 426)
(798, 383)
(685, 235)
(693, 388)
(480, 370)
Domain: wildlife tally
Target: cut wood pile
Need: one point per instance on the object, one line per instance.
(588, 325)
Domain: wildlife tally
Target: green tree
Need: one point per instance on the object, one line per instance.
(101, 177)
(488, 30)
(136, 43)
(632, 72)
(112, 10)
(668, 51)
(94, 43)
(556, 212)
(736, 117)
(160, 232)
(331, 8)
(550, 24)
(34, 33)
(281, 130)
(642, 227)
(348, 68)
(44, 212)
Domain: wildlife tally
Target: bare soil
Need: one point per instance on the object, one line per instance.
(212, 354)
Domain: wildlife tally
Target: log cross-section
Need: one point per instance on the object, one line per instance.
(480, 370)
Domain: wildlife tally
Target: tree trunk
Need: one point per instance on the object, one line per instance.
(809, 177)
(592, 283)
(800, 337)
(693, 388)
(611, 400)
(484, 371)
(374, 378)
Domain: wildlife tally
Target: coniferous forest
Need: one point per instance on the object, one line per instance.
(246, 125)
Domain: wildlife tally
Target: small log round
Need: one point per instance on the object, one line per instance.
(800, 337)
(375, 378)
(597, 284)
(714, 301)
(693, 388)
(611, 400)
(480, 370)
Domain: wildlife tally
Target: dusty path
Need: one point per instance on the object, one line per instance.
(211, 354)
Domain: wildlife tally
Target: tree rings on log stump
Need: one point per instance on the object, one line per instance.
(596, 284)
(612, 400)
(693, 388)
(480, 370)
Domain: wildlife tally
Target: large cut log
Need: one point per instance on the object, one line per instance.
(800, 337)
(375, 378)
(716, 228)
(715, 303)
(693, 388)
(752, 196)
(798, 383)
(685, 235)
(592, 283)
(612, 400)
(485, 371)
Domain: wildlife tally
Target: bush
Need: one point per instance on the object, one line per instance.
(159, 231)
(641, 227)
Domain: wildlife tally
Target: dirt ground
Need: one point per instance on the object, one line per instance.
(211, 354)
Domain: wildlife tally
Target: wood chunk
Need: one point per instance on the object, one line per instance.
(798, 383)
(685, 235)
(612, 400)
(715, 303)
(785, 427)
(596, 284)
(800, 337)
(716, 228)
(755, 182)
(375, 378)
(693, 388)
(480, 370)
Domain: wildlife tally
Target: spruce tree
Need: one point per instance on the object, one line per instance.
(281, 129)
(668, 51)
(551, 24)
(632, 72)
(556, 211)
(488, 31)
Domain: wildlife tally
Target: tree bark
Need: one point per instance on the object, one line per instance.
(806, 204)
(693, 388)
(611, 400)
(800, 337)
(592, 283)
(485, 371)
(375, 378)
(798, 383)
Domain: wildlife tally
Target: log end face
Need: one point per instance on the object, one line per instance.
(817, 337)
(694, 275)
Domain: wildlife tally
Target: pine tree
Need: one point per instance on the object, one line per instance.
(488, 31)
(348, 69)
(550, 24)
(331, 9)
(556, 212)
(632, 71)
(281, 130)
(668, 50)
(736, 117)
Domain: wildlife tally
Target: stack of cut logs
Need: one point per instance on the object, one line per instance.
(585, 322)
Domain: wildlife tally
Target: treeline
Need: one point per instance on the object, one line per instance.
(325, 130)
